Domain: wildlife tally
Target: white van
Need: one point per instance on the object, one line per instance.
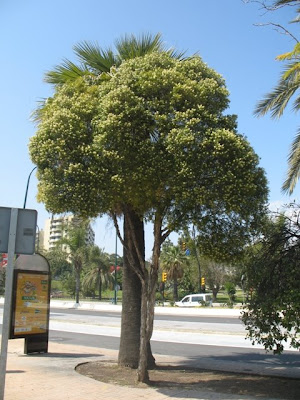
(194, 300)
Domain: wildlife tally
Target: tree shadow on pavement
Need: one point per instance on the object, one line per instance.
(287, 364)
(178, 381)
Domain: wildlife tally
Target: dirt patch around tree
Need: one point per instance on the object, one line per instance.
(175, 377)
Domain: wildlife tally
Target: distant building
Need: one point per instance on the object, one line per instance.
(56, 228)
(39, 240)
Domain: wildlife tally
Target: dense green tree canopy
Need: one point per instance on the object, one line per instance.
(154, 136)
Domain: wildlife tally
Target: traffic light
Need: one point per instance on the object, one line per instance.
(164, 277)
(183, 246)
(203, 281)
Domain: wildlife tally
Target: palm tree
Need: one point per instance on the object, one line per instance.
(276, 102)
(77, 249)
(98, 272)
(173, 261)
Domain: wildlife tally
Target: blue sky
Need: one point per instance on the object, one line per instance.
(36, 35)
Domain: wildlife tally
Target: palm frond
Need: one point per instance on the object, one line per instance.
(292, 71)
(292, 3)
(293, 174)
(296, 104)
(277, 100)
(178, 55)
(291, 54)
(94, 58)
(67, 71)
(37, 115)
(130, 46)
(279, 3)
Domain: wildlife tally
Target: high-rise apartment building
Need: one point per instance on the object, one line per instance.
(56, 228)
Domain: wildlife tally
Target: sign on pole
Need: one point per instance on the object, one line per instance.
(25, 231)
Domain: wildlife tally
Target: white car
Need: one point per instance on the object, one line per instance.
(195, 300)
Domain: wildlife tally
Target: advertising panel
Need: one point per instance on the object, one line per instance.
(31, 308)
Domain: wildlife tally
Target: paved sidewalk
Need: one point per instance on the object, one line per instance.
(52, 376)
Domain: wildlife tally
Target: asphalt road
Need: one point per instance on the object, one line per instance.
(233, 359)
(209, 356)
(165, 317)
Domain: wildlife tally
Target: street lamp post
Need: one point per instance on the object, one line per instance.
(27, 186)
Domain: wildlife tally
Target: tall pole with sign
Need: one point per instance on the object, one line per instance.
(17, 235)
(8, 297)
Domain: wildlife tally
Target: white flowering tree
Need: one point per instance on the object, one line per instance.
(152, 140)
(96, 65)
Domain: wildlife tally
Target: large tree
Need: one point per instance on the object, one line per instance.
(151, 143)
(97, 65)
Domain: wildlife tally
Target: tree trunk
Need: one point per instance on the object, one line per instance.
(77, 285)
(143, 375)
(175, 290)
(100, 287)
(215, 291)
(131, 296)
(148, 303)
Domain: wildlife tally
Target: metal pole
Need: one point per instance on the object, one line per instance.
(8, 297)
(26, 192)
(115, 299)
(198, 261)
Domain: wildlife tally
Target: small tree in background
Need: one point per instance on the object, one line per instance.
(173, 261)
(215, 274)
(97, 271)
(77, 249)
(59, 263)
(231, 291)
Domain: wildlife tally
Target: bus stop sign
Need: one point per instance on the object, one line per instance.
(25, 233)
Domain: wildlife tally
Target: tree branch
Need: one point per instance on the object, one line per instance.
(116, 225)
(268, 7)
(165, 234)
(279, 28)
(274, 6)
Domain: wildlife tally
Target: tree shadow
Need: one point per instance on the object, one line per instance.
(176, 382)
(181, 381)
(287, 364)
